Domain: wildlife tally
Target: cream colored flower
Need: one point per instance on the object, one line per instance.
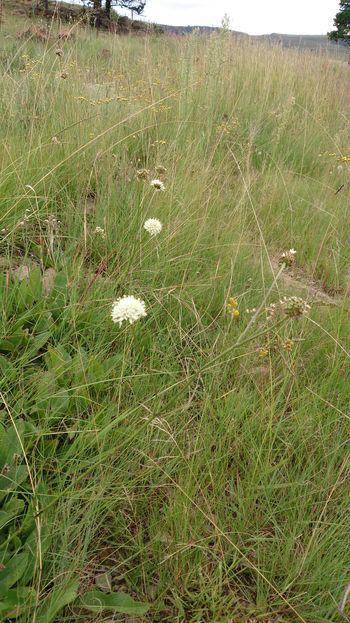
(153, 226)
(158, 185)
(128, 308)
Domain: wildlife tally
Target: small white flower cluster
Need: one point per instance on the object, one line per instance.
(288, 257)
(291, 306)
(128, 308)
(153, 226)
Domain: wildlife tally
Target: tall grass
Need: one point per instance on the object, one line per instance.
(205, 476)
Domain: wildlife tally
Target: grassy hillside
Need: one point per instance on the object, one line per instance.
(192, 466)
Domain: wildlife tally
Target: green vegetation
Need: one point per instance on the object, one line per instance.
(193, 466)
(342, 23)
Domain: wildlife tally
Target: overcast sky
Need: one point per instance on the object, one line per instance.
(252, 16)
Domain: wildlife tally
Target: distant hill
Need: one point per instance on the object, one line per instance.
(311, 42)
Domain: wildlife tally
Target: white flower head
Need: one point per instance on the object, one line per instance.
(158, 185)
(128, 308)
(153, 226)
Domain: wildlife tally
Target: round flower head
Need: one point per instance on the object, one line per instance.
(153, 226)
(157, 185)
(128, 308)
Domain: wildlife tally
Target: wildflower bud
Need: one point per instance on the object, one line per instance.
(288, 258)
(232, 307)
(263, 352)
(99, 231)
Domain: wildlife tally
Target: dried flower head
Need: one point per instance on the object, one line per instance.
(142, 174)
(158, 185)
(128, 308)
(99, 231)
(52, 223)
(55, 140)
(288, 345)
(160, 170)
(288, 257)
(292, 306)
(153, 226)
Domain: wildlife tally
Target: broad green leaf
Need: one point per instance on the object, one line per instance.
(36, 343)
(13, 571)
(58, 599)
(6, 367)
(14, 600)
(57, 360)
(35, 287)
(13, 342)
(10, 444)
(97, 601)
(12, 480)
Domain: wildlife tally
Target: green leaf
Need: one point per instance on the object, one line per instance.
(10, 444)
(35, 284)
(16, 599)
(13, 571)
(12, 342)
(36, 343)
(58, 599)
(97, 601)
(57, 360)
(12, 480)
(6, 367)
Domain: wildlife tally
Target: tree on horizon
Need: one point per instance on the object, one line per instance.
(342, 23)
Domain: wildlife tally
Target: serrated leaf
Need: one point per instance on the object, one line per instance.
(97, 601)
